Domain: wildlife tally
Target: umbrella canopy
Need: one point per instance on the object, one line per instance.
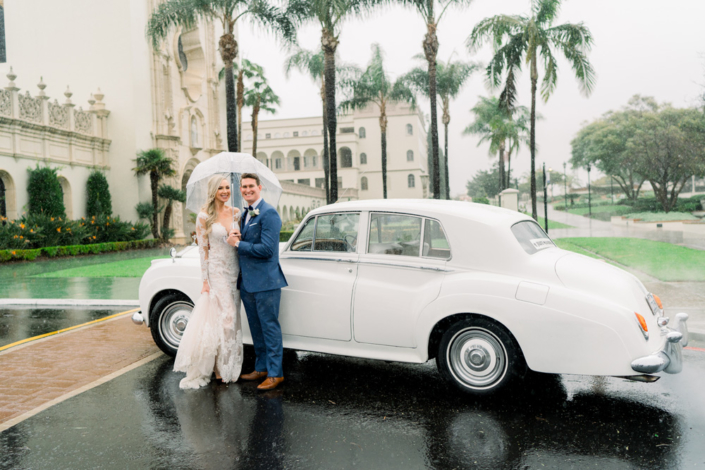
(230, 165)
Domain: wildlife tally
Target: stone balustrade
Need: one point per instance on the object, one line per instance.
(38, 128)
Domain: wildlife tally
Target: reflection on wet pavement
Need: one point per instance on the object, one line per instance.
(342, 413)
(16, 279)
(20, 323)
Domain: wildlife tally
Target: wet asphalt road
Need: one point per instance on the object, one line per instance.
(339, 413)
(17, 324)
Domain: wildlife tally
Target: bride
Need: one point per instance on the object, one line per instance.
(212, 341)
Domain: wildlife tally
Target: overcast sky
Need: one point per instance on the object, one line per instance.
(641, 46)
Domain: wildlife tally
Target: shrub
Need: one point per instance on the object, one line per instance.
(73, 250)
(98, 201)
(45, 193)
(285, 235)
(103, 228)
(481, 200)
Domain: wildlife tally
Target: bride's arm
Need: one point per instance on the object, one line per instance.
(202, 239)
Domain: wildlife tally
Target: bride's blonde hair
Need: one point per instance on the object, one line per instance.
(209, 206)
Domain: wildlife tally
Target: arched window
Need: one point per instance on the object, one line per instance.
(345, 158)
(411, 181)
(278, 164)
(363, 159)
(363, 183)
(194, 132)
(409, 129)
(409, 155)
(3, 207)
(362, 133)
(297, 163)
(286, 134)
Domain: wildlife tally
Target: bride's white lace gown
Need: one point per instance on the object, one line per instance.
(213, 337)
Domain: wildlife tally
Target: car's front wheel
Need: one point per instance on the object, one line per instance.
(479, 356)
(168, 320)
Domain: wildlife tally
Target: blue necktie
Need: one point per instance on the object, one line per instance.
(245, 221)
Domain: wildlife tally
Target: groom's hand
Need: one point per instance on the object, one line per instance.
(233, 237)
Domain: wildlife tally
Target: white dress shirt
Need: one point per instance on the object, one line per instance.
(254, 206)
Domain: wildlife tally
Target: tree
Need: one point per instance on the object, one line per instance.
(374, 86)
(534, 37)
(187, 13)
(432, 12)
(313, 64)
(429, 164)
(171, 194)
(484, 184)
(260, 97)
(671, 145)
(604, 144)
(451, 76)
(243, 70)
(98, 200)
(158, 166)
(45, 194)
(329, 14)
(503, 132)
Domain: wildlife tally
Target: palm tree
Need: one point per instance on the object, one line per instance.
(450, 77)
(428, 9)
(514, 37)
(374, 86)
(171, 194)
(155, 163)
(260, 97)
(517, 134)
(186, 14)
(329, 14)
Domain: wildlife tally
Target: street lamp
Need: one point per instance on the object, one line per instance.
(589, 193)
(545, 200)
(565, 188)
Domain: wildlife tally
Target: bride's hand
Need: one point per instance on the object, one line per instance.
(206, 287)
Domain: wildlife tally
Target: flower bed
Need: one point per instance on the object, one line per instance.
(73, 250)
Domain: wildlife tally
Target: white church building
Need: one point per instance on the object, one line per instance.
(82, 89)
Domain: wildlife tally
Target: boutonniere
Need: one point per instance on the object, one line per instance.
(254, 212)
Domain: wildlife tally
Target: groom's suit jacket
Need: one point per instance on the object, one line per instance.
(259, 251)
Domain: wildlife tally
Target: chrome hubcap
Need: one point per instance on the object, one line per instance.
(477, 358)
(173, 321)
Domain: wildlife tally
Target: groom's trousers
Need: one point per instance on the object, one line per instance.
(262, 309)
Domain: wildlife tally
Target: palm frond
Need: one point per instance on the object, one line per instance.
(175, 13)
(545, 11)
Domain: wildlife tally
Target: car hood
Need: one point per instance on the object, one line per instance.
(598, 278)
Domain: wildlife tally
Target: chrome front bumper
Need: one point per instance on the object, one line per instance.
(670, 358)
(137, 318)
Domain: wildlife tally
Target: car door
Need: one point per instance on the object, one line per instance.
(320, 267)
(398, 276)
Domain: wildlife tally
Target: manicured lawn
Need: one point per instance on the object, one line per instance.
(552, 224)
(126, 268)
(617, 209)
(661, 260)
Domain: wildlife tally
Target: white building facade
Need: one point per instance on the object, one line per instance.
(293, 149)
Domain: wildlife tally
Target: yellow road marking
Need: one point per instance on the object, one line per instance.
(34, 338)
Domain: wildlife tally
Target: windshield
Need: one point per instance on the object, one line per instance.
(531, 236)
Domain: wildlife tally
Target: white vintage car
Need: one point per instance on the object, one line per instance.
(483, 290)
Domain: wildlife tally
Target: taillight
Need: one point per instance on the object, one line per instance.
(642, 324)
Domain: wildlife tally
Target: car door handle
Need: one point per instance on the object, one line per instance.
(346, 260)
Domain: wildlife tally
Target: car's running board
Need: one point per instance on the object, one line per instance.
(640, 378)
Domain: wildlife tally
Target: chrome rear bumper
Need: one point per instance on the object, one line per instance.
(670, 358)
(137, 318)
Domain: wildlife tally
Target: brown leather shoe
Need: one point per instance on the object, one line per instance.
(255, 375)
(270, 383)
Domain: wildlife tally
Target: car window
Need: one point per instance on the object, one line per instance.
(394, 235)
(435, 243)
(531, 236)
(304, 241)
(337, 232)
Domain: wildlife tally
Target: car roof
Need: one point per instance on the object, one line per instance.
(482, 213)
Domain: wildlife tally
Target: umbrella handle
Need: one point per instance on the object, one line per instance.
(232, 197)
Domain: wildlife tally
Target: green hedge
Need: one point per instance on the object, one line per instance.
(285, 235)
(73, 250)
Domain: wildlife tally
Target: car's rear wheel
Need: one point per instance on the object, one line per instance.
(168, 320)
(479, 356)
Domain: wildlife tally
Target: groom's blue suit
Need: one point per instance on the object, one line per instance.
(260, 282)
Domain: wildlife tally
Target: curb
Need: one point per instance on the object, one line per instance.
(696, 335)
(68, 303)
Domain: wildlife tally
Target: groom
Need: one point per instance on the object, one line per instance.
(260, 281)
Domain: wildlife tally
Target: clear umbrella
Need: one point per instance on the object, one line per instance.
(233, 165)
